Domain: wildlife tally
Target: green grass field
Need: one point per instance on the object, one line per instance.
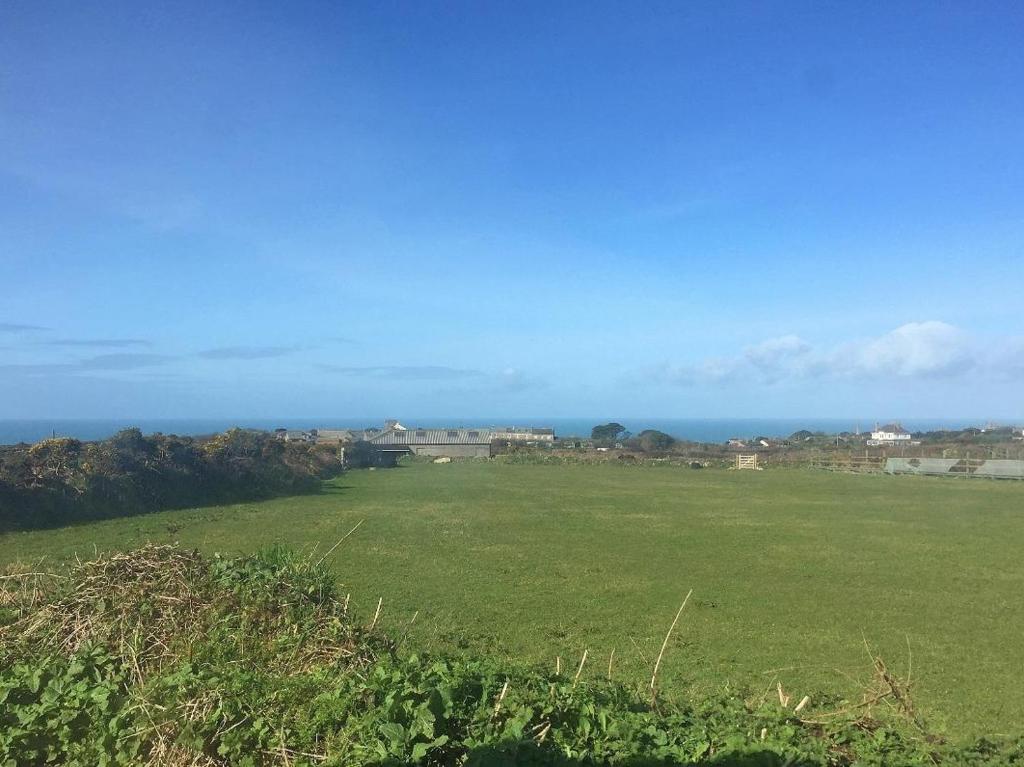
(791, 569)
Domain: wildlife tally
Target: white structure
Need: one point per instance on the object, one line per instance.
(453, 443)
(523, 434)
(890, 434)
(747, 462)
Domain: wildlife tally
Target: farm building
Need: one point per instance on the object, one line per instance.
(523, 434)
(890, 434)
(337, 436)
(295, 435)
(451, 443)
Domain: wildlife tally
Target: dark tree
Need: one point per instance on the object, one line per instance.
(654, 441)
(609, 433)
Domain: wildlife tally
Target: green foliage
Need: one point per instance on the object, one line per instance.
(653, 441)
(608, 434)
(57, 481)
(362, 455)
(66, 710)
(281, 674)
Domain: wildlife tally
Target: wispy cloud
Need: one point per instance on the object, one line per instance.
(516, 380)
(109, 343)
(102, 362)
(123, 361)
(406, 372)
(916, 350)
(248, 352)
(39, 368)
(117, 191)
(162, 214)
(13, 327)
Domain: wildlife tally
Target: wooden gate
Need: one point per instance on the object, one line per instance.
(747, 462)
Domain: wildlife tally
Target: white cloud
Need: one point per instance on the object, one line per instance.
(516, 380)
(919, 350)
(778, 357)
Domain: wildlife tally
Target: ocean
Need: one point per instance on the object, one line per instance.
(695, 429)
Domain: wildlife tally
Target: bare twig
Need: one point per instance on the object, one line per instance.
(580, 669)
(408, 628)
(639, 651)
(376, 615)
(335, 546)
(501, 697)
(664, 644)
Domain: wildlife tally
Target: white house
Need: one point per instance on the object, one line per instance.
(890, 434)
(523, 434)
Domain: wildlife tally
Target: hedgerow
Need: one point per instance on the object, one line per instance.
(164, 657)
(61, 481)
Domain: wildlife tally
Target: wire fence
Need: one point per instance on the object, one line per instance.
(985, 468)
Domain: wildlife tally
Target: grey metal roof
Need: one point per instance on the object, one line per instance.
(433, 437)
(893, 428)
(335, 433)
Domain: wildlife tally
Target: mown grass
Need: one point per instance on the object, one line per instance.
(792, 571)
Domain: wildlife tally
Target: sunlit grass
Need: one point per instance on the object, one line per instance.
(792, 571)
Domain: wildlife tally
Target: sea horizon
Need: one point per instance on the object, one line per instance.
(14, 431)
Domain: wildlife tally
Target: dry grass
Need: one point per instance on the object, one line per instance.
(140, 604)
(153, 605)
(156, 606)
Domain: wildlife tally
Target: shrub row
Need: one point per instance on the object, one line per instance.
(161, 656)
(58, 481)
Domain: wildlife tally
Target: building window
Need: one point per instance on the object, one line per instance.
(453, 434)
(474, 434)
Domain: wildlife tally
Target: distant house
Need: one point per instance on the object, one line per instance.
(337, 436)
(735, 442)
(450, 443)
(574, 443)
(890, 434)
(523, 434)
(294, 435)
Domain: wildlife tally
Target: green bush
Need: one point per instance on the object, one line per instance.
(161, 656)
(58, 481)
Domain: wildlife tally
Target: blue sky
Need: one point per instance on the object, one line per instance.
(473, 209)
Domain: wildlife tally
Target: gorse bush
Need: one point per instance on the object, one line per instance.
(57, 481)
(164, 657)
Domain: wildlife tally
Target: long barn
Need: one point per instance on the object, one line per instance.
(450, 443)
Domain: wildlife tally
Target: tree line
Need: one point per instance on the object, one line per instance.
(647, 441)
(59, 481)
